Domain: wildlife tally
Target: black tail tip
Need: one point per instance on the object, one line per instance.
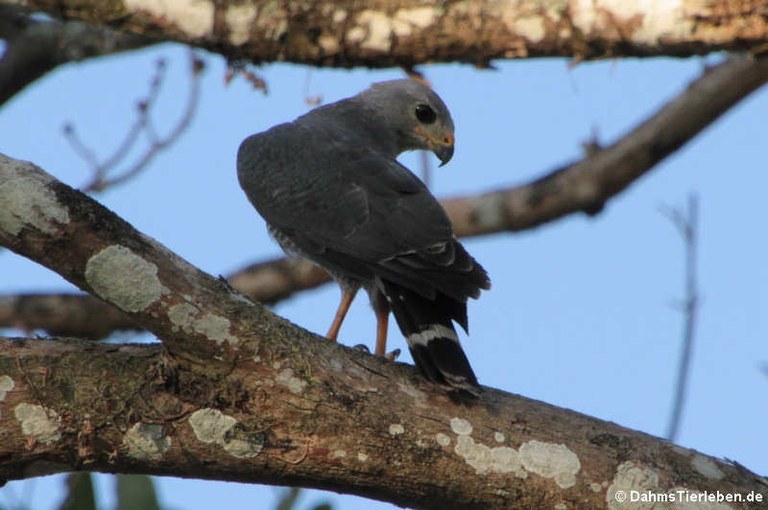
(443, 361)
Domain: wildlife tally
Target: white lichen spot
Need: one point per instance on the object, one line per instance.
(338, 454)
(560, 506)
(631, 477)
(191, 16)
(123, 278)
(707, 467)
(355, 35)
(484, 459)
(362, 457)
(499, 437)
(243, 448)
(461, 427)
(239, 19)
(339, 16)
(379, 29)
(211, 425)
(637, 21)
(41, 424)
(290, 381)
(595, 487)
(396, 429)
(418, 17)
(329, 44)
(214, 427)
(6, 385)
(442, 439)
(530, 28)
(551, 460)
(146, 441)
(27, 200)
(189, 319)
(417, 395)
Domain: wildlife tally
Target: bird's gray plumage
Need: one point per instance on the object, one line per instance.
(331, 190)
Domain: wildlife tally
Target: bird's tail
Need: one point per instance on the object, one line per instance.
(427, 325)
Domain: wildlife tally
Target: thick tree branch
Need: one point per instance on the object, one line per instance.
(408, 32)
(36, 47)
(237, 393)
(583, 186)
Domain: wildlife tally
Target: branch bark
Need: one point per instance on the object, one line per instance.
(236, 393)
(584, 186)
(410, 32)
(35, 47)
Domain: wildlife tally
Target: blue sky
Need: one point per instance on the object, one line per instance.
(582, 311)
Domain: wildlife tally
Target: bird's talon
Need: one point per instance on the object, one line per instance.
(392, 356)
(362, 347)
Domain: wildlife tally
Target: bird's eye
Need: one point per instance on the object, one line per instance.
(425, 114)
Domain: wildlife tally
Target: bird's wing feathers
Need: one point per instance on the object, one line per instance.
(350, 207)
(352, 200)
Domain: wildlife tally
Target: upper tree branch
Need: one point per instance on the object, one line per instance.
(583, 186)
(35, 47)
(241, 394)
(408, 32)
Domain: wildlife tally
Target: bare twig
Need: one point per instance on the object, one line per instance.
(687, 224)
(237, 68)
(104, 174)
(311, 100)
(426, 168)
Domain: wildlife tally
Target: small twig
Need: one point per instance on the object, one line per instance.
(310, 100)
(687, 224)
(241, 68)
(426, 168)
(101, 179)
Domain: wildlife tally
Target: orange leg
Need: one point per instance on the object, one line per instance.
(382, 322)
(346, 300)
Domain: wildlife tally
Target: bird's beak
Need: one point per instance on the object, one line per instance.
(444, 150)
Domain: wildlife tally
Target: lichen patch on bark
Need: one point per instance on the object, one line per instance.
(6, 385)
(214, 427)
(146, 441)
(27, 200)
(192, 320)
(707, 467)
(551, 460)
(548, 460)
(39, 423)
(191, 16)
(631, 477)
(122, 277)
(290, 381)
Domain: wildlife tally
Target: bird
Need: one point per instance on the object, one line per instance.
(331, 190)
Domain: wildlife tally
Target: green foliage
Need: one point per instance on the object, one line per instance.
(291, 495)
(80, 494)
(136, 492)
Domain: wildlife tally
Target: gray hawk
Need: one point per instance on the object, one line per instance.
(330, 189)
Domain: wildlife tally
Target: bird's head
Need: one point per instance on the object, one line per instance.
(416, 114)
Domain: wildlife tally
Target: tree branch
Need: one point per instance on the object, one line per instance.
(585, 186)
(410, 32)
(36, 47)
(237, 393)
